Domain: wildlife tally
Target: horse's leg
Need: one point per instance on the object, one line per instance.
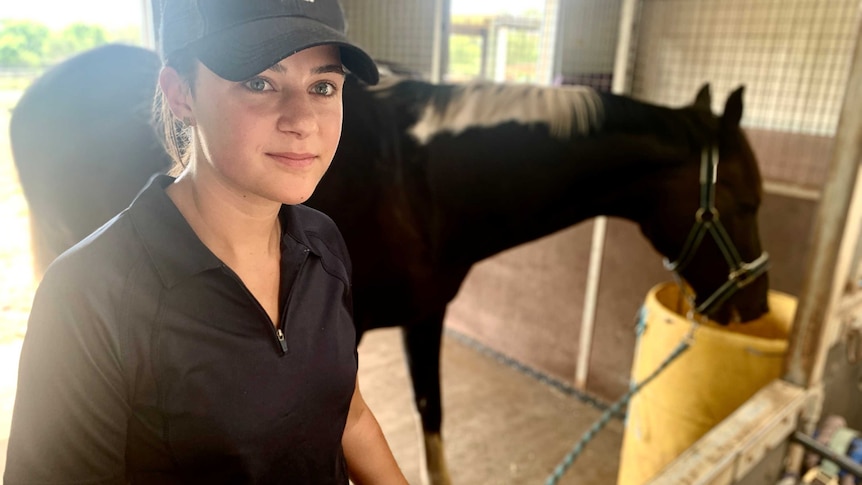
(422, 347)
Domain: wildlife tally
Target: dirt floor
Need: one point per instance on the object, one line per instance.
(501, 426)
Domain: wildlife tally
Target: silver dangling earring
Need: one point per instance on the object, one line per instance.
(187, 121)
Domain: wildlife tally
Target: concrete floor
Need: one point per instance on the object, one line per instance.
(501, 427)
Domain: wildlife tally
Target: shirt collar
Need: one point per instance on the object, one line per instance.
(174, 248)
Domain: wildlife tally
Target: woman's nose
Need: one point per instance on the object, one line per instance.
(297, 116)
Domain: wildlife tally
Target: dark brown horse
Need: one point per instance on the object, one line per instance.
(428, 180)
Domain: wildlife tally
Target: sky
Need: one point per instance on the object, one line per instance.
(111, 14)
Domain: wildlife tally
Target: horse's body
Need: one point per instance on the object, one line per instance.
(429, 180)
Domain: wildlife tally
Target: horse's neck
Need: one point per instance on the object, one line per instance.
(495, 188)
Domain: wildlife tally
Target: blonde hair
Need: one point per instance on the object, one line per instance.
(177, 135)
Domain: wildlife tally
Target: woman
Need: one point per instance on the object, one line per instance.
(204, 335)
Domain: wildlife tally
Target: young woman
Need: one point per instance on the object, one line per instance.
(204, 335)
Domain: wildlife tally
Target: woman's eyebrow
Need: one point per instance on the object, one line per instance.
(336, 68)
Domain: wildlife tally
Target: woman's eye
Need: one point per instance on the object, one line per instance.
(258, 84)
(324, 89)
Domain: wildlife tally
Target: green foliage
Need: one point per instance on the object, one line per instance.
(73, 39)
(22, 42)
(26, 43)
(522, 47)
(127, 35)
(522, 55)
(465, 57)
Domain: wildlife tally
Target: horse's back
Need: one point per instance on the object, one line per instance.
(83, 142)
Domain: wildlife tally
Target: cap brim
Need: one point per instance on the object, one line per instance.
(243, 51)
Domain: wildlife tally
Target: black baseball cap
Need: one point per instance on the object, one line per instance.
(237, 39)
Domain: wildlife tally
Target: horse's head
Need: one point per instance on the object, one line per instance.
(708, 228)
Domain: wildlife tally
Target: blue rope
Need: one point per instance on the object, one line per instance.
(570, 458)
(514, 364)
(640, 327)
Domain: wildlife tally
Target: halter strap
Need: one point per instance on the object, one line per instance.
(707, 221)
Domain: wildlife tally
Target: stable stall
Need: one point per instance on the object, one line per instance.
(566, 307)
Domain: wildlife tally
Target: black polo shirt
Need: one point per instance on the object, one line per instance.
(147, 360)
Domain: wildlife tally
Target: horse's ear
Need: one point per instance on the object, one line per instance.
(703, 100)
(733, 107)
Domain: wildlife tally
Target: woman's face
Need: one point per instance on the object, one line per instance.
(274, 135)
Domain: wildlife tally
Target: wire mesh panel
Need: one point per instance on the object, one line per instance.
(535, 41)
(587, 42)
(792, 55)
(405, 32)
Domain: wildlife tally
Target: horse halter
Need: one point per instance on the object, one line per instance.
(741, 274)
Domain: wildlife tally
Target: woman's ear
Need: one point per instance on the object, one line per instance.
(177, 93)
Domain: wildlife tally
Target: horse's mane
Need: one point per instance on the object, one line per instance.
(693, 125)
(424, 110)
(566, 110)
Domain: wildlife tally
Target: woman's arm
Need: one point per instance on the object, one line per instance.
(69, 421)
(369, 459)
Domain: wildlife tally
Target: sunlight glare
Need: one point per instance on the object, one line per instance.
(111, 14)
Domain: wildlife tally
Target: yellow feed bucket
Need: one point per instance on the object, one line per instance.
(724, 366)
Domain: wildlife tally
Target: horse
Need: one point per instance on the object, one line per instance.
(429, 180)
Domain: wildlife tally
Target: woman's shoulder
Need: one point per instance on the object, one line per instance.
(317, 230)
(90, 286)
(99, 259)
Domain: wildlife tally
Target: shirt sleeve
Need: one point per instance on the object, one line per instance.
(71, 413)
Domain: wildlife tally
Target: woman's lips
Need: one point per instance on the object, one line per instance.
(295, 160)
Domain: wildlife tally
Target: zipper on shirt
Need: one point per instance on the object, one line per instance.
(283, 315)
(281, 341)
(277, 334)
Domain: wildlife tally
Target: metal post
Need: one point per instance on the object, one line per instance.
(501, 54)
(628, 15)
(588, 318)
(844, 462)
(548, 64)
(440, 42)
(149, 23)
(600, 225)
(808, 345)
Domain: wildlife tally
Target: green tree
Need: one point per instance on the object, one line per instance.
(465, 57)
(522, 47)
(130, 34)
(73, 39)
(22, 43)
(522, 55)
